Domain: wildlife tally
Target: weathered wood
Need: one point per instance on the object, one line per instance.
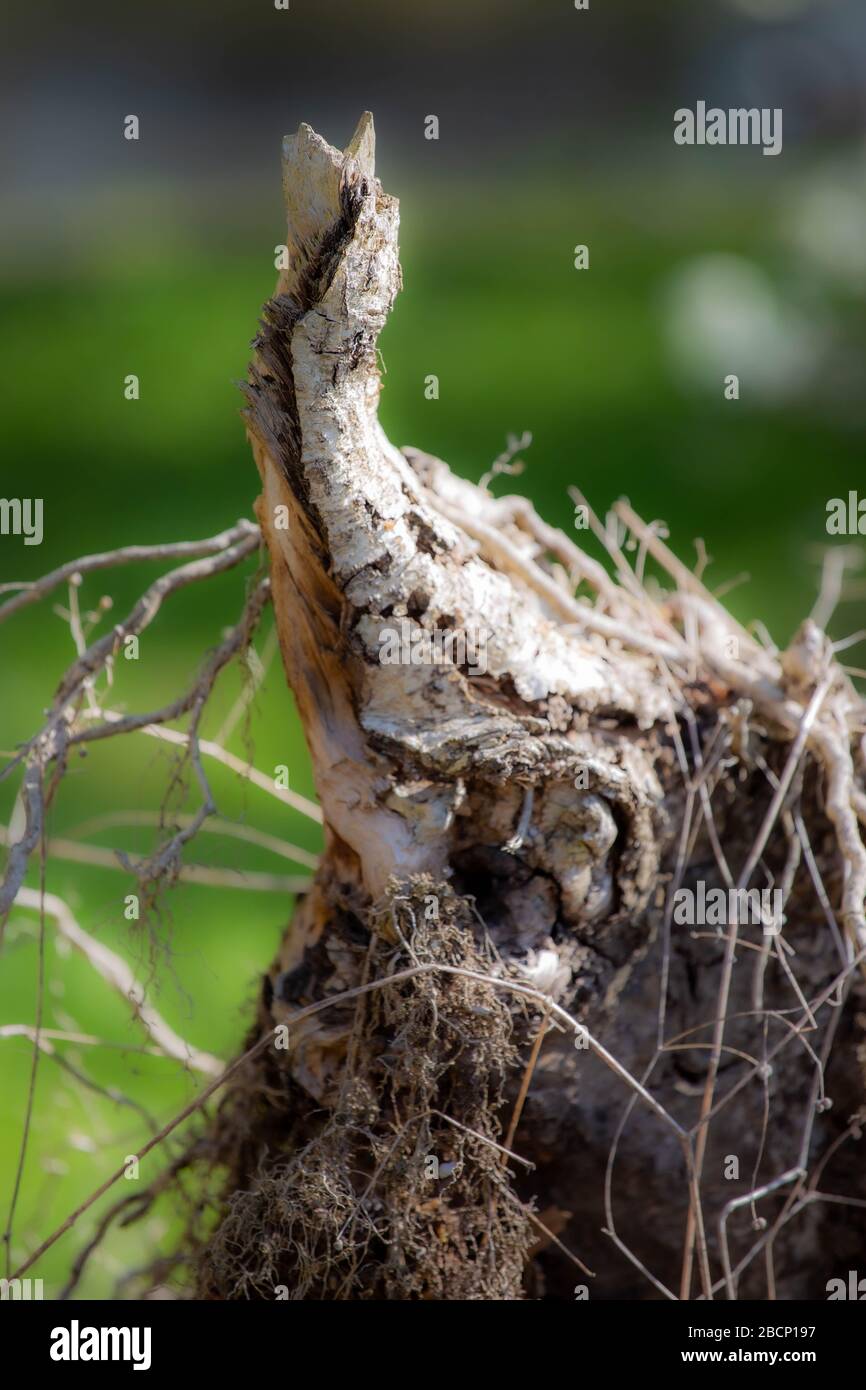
(549, 789)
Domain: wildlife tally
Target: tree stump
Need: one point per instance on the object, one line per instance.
(545, 1080)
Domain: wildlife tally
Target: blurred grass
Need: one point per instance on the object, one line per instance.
(519, 341)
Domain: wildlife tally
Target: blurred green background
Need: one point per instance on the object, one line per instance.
(153, 257)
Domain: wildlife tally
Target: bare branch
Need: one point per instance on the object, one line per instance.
(127, 555)
(117, 973)
(247, 879)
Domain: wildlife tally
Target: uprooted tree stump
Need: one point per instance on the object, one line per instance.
(534, 1074)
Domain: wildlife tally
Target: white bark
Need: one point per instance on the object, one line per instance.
(376, 534)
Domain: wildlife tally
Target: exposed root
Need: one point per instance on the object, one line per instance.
(400, 1191)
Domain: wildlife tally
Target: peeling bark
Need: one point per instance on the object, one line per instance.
(540, 805)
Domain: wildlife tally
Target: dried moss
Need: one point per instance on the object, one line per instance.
(382, 1196)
